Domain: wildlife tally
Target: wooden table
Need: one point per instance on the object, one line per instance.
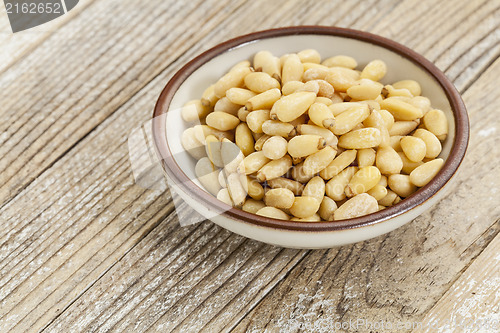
(83, 248)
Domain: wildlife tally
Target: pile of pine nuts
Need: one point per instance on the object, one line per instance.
(297, 138)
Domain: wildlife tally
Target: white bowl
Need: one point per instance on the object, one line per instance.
(403, 63)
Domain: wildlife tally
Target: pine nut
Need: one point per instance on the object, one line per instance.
(435, 121)
(432, 144)
(280, 198)
(266, 62)
(325, 89)
(335, 188)
(239, 96)
(341, 162)
(213, 150)
(411, 85)
(263, 100)
(400, 109)
(312, 218)
(366, 90)
(291, 86)
(259, 143)
(253, 187)
(341, 78)
(331, 140)
(252, 206)
(315, 188)
(402, 127)
(222, 179)
(408, 166)
(242, 114)
(324, 100)
(244, 139)
(256, 118)
(299, 175)
(378, 192)
(208, 97)
(236, 190)
(348, 119)
(326, 209)
(390, 91)
(190, 143)
(321, 115)
(374, 70)
(309, 55)
(275, 168)
(401, 185)
(231, 155)
(414, 148)
(207, 175)
(318, 161)
(275, 147)
(421, 102)
(338, 108)
(223, 195)
(293, 185)
(260, 82)
(194, 111)
(366, 157)
(304, 207)
(395, 142)
(235, 78)
(315, 73)
(341, 61)
(305, 145)
(275, 127)
(310, 86)
(292, 69)
(388, 161)
(359, 205)
(423, 174)
(361, 138)
(273, 213)
(222, 121)
(293, 106)
(202, 131)
(253, 162)
(363, 180)
(390, 199)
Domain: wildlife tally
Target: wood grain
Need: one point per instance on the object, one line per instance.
(94, 252)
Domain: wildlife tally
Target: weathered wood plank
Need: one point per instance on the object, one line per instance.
(471, 303)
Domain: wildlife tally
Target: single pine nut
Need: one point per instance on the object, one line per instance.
(263, 100)
(202, 131)
(304, 207)
(318, 161)
(253, 187)
(292, 69)
(293, 106)
(338, 108)
(400, 109)
(378, 192)
(342, 161)
(383, 181)
(244, 139)
(408, 166)
(424, 173)
(243, 113)
(239, 96)
(340, 61)
(326, 209)
(241, 64)
(401, 185)
(235, 78)
(312, 218)
(253, 162)
(421, 102)
(390, 199)
(325, 88)
(305, 145)
(300, 120)
(208, 175)
(387, 117)
(411, 85)
(395, 142)
(222, 179)
(335, 188)
(366, 157)
(266, 62)
(374, 70)
(208, 97)
(290, 184)
(402, 127)
(309, 55)
(310, 86)
(256, 118)
(331, 140)
(388, 161)
(390, 91)
(252, 206)
(413, 147)
(315, 73)
(222, 121)
(309, 65)
(359, 205)
(223, 195)
(191, 144)
(363, 180)
(280, 198)
(236, 190)
(299, 175)
(275, 147)
(323, 100)
(194, 111)
(291, 86)
(366, 90)
(260, 82)
(361, 138)
(259, 143)
(213, 150)
(275, 127)
(321, 115)
(275, 169)
(435, 121)
(231, 155)
(432, 145)
(273, 213)
(348, 119)
(315, 188)
(341, 78)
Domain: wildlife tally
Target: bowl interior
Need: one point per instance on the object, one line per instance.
(399, 68)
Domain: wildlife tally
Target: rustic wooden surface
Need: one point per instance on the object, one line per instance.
(83, 248)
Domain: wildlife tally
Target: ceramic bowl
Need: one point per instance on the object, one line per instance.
(191, 80)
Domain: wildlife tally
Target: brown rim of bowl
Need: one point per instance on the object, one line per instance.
(450, 167)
